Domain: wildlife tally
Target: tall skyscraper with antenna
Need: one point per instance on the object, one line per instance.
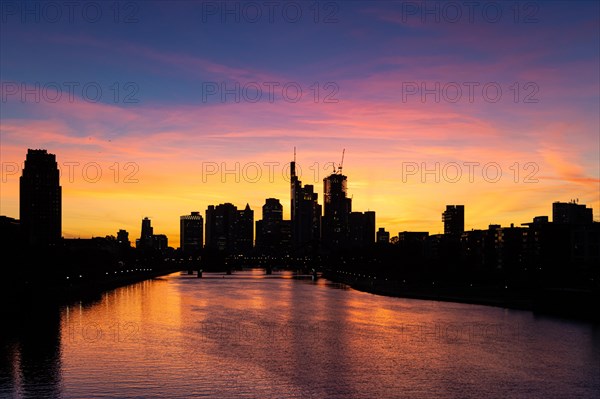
(306, 214)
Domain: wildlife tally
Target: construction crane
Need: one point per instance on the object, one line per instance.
(339, 171)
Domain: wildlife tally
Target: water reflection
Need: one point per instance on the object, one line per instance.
(255, 336)
(30, 352)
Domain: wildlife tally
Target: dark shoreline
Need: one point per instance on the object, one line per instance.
(571, 304)
(39, 294)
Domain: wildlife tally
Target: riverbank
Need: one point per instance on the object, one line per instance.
(576, 304)
(76, 290)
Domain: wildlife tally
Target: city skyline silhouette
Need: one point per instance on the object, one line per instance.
(427, 115)
(47, 171)
(299, 199)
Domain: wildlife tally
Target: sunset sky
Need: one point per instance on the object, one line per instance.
(164, 109)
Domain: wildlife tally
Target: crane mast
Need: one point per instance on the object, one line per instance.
(342, 162)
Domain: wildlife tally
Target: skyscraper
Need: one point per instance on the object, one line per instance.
(268, 230)
(337, 210)
(454, 220)
(145, 240)
(220, 222)
(40, 209)
(191, 232)
(306, 214)
(244, 231)
(228, 229)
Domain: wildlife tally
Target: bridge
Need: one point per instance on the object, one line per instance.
(257, 273)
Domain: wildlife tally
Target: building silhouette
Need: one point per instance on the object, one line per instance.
(479, 252)
(454, 220)
(286, 237)
(145, 241)
(40, 209)
(583, 236)
(160, 242)
(383, 236)
(361, 229)
(571, 213)
(191, 229)
(244, 231)
(508, 243)
(337, 208)
(149, 243)
(123, 238)
(412, 236)
(220, 222)
(229, 229)
(272, 238)
(306, 215)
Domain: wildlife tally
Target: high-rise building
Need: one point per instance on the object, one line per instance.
(160, 242)
(337, 208)
(272, 214)
(145, 240)
(268, 230)
(191, 232)
(571, 213)
(244, 231)
(306, 214)
(454, 220)
(228, 229)
(361, 229)
(40, 199)
(220, 225)
(123, 238)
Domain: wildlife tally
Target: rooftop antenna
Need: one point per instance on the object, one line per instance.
(341, 163)
(294, 154)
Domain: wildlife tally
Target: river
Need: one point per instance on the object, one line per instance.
(249, 335)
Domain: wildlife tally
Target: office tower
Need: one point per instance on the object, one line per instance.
(160, 242)
(337, 210)
(268, 230)
(190, 232)
(306, 214)
(145, 240)
(571, 213)
(244, 231)
(454, 220)
(361, 229)
(40, 199)
(383, 237)
(220, 222)
(123, 238)
(228, 229)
